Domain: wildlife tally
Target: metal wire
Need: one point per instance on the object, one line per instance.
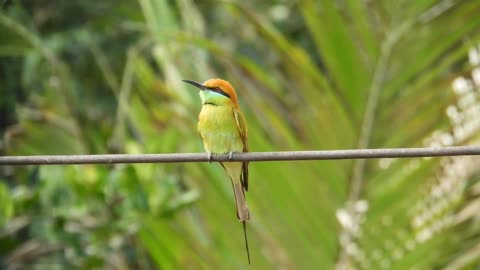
(252, 156)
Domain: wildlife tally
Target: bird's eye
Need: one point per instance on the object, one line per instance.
(220, 91)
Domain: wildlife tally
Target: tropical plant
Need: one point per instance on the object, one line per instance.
(105, 77)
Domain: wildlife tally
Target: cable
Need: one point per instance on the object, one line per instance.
(252, 156)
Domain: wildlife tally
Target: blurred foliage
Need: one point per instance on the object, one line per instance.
(81, 77)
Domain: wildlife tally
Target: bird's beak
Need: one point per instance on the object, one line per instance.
(197, 84)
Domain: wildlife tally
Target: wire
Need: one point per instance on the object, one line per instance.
(251, 156)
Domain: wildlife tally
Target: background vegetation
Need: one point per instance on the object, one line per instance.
(81, 77)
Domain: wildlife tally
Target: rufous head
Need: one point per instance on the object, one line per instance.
(217, 91)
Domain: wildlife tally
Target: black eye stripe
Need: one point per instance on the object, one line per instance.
(219, 90)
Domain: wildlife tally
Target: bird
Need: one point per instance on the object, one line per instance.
(223, 129)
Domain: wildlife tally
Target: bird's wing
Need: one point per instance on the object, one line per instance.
(242, 130)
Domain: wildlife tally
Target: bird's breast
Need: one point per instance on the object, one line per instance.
(218, 129)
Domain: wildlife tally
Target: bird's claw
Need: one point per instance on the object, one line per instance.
(210, 157)
(230, 156)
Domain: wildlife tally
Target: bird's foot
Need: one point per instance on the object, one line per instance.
(210, 155)
(230, 156)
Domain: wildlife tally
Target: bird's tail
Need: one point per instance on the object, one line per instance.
(243, 215)
(241, 203)
(242, 211)
(244, 223)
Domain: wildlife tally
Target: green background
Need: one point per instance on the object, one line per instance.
(92, 77)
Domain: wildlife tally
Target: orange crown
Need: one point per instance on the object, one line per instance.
(225, 86)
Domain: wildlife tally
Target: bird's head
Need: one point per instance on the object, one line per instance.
(216, 92)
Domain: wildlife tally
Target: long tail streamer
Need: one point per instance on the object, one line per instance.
(246, 240)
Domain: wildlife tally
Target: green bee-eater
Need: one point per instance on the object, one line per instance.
(222, 127)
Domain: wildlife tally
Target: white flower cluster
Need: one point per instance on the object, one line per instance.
(447, 187)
